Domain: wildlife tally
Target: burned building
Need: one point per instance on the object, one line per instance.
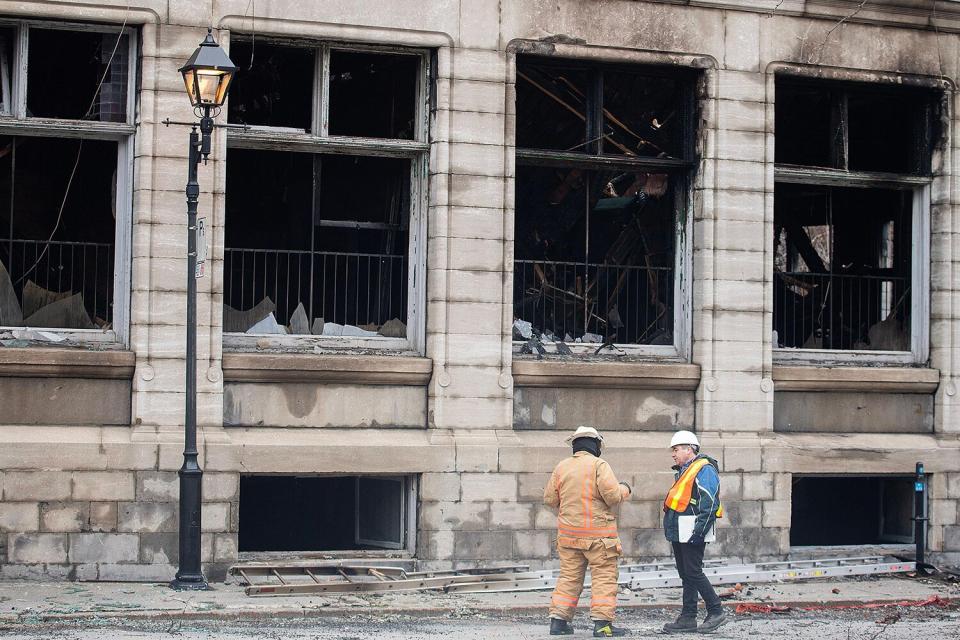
(440, 235)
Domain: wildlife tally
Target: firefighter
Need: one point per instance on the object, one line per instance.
(690, 510)
(585, 491)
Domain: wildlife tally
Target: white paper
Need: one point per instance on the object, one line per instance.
(686, 524)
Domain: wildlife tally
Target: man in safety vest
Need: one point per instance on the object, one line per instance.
(585, 491)
(690, 510)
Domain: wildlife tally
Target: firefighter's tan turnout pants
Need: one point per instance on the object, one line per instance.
(576, 554)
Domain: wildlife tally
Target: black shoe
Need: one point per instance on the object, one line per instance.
(560, 627)
(681, 625)
(605, 629)
(713, 621)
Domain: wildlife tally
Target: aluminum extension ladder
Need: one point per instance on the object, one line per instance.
(265, 579)
(718, 573)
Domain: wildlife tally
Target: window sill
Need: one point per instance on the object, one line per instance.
(657, 352)
(606, 375)
(40, 362)
(833, 358)
(863, 379)
(400, 558)
(330, 369)
(309, 344)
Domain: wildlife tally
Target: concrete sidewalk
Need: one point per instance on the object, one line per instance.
(60, 601)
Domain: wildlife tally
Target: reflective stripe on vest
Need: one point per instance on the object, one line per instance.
(678, 498)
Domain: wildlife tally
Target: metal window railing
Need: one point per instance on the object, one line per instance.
(842, 311)
(570, 299)
(360, 289)
(64, 267)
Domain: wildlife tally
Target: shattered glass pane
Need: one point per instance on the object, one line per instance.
(8, 36)
(56, 252)
(273, 87)
(887, 131)
(643, 115)
(552, 108)
(373, 95)
(333, 259)
(803, 132)
(269, 184)
(93, 57)
(842, 269)
(595, 255)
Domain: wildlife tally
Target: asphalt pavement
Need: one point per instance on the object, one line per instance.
(864, 608)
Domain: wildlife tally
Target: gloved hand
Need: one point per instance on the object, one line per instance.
(695, 539)
(629, 490)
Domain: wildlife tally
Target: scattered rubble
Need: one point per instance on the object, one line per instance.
(394, 328)
(522, 329)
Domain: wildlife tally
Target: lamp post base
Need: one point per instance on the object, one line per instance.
(195, 582)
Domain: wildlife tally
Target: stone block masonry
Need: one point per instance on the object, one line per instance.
(108, 525)
(468, 518)
(91, 437)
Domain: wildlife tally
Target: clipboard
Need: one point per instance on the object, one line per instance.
(686, 523)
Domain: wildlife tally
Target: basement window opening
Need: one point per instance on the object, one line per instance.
(851, 510)
(604, 157)
(325, 513)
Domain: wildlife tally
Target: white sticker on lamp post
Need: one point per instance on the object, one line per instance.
(201, 247)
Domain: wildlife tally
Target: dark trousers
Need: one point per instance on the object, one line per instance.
(689, 559)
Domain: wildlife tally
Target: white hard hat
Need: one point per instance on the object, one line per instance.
(585, 432)
(684, 437)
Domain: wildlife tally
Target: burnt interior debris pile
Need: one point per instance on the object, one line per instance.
(595, 215)
(833, 289)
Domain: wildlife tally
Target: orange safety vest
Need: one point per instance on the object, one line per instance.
(678, 498)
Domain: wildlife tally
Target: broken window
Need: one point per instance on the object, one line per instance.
(91, 71)
(842, 260)
(373, 95)
(596, 237)
(854, 127)
(277, 87)
(335, 258)
(338, 261)
(60, 208)
(823, 513)
(323, 513)
(551, 108)
(846, 238)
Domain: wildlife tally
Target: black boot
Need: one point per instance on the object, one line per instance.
(681, 624)
(713, 621)
(560, 627)
(605, 629)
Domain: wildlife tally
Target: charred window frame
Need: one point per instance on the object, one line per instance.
(853, 175)
(67, 267)
(317, 291)
(605, 160)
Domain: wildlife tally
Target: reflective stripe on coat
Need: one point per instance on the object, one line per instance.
(584, 490)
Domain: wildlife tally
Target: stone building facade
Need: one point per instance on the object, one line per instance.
(683, 186)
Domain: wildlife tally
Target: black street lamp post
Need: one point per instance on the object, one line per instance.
(207, 76)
